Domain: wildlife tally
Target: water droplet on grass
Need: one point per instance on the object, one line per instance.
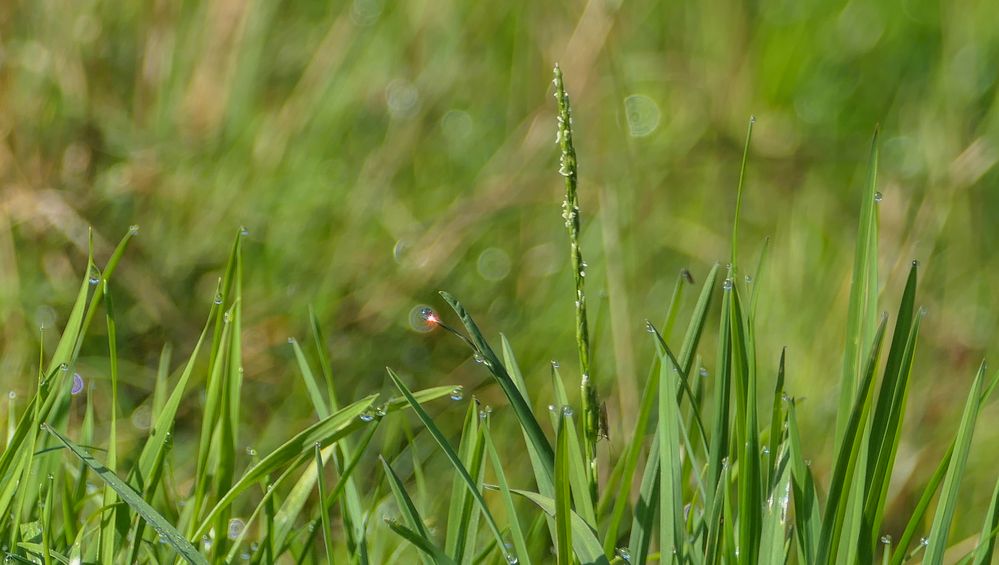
(878, 197)
(702, 372)
(218, 299)
(133, 229)
(727, 285)
(366, 417)
(886, 539)
(624, 554)
(243, 231)
(236, 526)
(77, 387)
(457, 393)
(567, 411)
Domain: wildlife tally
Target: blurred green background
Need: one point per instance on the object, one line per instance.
(379, 151)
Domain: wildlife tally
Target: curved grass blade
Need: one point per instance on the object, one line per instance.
(423, 544)
(516, 532)
(987, 539)
(577, 466)
(409, 511)
(450, 453)
(584, 541)
(528, 422)
(166, 530)
(948, 493)
(327, 431)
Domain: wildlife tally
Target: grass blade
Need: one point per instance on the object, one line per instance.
(166, 530)
(987, 539)
(563, 495)
(450, 453)
(955, 471)
(862, 313)
(519, 541)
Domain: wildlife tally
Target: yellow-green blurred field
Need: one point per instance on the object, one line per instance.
(379, 151)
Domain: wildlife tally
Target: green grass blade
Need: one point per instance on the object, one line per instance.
(719, 446)
(846, 460)
(862, 313)
(955, 471)
(987, 539)
(886, 423)
(807, 520)
(777, 419)
(450, 453)
(409, 512)
(327, 431)
(647, 507)
(774, 524)
(577, 466)
(318, 402)
(516, 532)
(461, 504)
(563, 495)
(585, 544)
(738, 196)
(671, 529)
(166, 530)
(523, 411)
(422, 543)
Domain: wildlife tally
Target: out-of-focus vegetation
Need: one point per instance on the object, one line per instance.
(379, 151)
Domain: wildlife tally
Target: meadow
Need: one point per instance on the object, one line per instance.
(221, 222)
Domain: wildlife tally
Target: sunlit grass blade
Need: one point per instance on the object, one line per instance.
(546, 456)
(318, 402)
(327, 431)
(408, 510)
(167, 532)
(774, 524)
(577, 466)
(563, 495)
(777, 419)
(450, 453)
(886, 423)
(461, 504)
(862, 312)
(807, 519)
(516, 532)
(987, 539)
(955, 471)
(671, 529)
(846, 460)
(738, 196)
(585, 544)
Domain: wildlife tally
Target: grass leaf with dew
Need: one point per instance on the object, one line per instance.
(409, 512)
(516, 532)
(846, 460)
(450, 453)
(862, 313)
(165, 529)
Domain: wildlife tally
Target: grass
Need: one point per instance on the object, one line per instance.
(723, 480)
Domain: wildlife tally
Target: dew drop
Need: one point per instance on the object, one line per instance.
(245, 556)
(766, 450)
(236, 526)
(291, 340)
(251, 452)
(64, 367)
(552, 408)
(478, 358)
(366, 417)
(924, 542)
(702, 372)
(649, 327)
(206, 543)
(218, 299)
(915, 262)
(749, 279)
(77, 384)
(878, 197)
(133, 229)
(886, 539)
(624, 554)
(380, 412)
(567, 411)
(555, 364)
(243, 231)
(11, 395)
(94, 280)
(457, 393)
(511, 559)
(727, 285)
